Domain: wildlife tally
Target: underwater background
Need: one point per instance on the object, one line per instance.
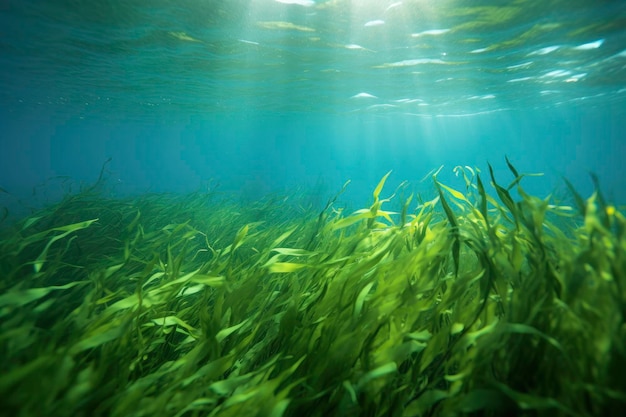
(276, 208)
(263, 95)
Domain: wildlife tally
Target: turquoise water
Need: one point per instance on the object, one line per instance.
(261, 95)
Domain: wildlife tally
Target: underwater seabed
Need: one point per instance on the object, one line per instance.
(473, 303)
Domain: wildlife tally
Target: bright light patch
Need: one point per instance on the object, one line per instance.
(590, 45)
(557, 73)
(408, 100)
(522, 65)
(377, 22)
(184, 37)
(517, 80)
(363, 95)
(357, 47)
(305, 3)
(411, 62)
(392, 5)
(284, 26)
(381, 106)
(546, 50)
(485, 97)
(575, 78)
(432, 32)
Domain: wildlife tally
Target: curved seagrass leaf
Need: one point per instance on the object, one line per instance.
(483, 199)
(580, 202)
(518, 176)
(521, 328)
(456, 194)
(386, 369)
(106, 333)
(405, 209)
(30, 221)
(504, 196)
(380, 186)
(284, 236)
(511, 167)
(352, 219)
(602, 213)
(360, 300)
(293, 252)
(285, 267)
(14, 299)
(224, 333)
(67, 230)
(456, 244)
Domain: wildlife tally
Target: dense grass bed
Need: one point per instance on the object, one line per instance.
(481, 301)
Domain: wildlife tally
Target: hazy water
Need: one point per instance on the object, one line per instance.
(261, 93)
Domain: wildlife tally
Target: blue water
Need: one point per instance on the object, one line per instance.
(258, 96)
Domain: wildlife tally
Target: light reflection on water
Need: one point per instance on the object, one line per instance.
(405, 57)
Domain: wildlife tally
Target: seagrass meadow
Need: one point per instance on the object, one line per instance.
(481, 301)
